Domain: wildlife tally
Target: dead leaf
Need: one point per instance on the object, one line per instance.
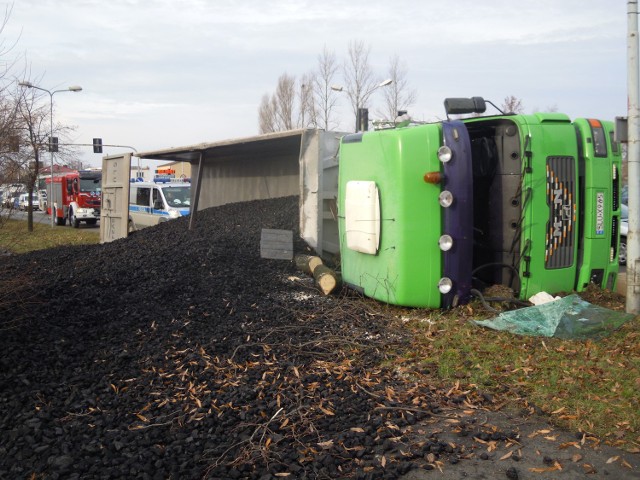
(326, 445)
(506, 455)
(142, 417)
(383, 461)
(357, 429)
(282, 474)
(613, 459)
(326, 411)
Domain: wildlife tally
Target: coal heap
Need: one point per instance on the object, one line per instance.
(183, 354)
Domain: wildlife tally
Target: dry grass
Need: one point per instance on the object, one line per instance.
(585, 386)
(15, 238)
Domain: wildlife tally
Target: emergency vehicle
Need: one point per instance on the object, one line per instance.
(151, 203)
(75, 196)
(431, 214)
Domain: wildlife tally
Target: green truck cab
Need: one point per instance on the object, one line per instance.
(429, 214)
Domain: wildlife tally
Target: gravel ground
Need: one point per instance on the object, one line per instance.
(177, 354)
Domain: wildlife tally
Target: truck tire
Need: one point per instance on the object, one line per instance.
(73, 220)
(92, 221)
(59, 220)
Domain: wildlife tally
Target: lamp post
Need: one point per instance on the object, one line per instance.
(74, 88)
(364, 96)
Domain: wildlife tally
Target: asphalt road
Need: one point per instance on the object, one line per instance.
(42, 217)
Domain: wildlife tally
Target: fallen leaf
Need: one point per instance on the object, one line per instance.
(326, 411)
(613, 459)
(326, 445)
(506, 455)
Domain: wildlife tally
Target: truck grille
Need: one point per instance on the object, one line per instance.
(560, 237)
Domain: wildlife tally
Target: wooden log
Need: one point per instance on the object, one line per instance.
(307, 263)
(326, 279)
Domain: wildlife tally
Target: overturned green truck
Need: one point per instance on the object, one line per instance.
(429, 214)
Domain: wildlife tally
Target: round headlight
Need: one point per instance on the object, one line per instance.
(445, 154)
(445, 242)
(445, 285)
(445, 198)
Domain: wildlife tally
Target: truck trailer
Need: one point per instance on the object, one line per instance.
(430, 214)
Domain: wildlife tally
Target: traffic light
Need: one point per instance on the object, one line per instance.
(53, 144)
(362, 120)
(97, 145)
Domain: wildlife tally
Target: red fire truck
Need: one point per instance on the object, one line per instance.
(76, 196)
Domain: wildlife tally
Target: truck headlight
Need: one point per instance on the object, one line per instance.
(174, 214)
(445, 242)
(445, 154)
(445, 285)
(445, 198)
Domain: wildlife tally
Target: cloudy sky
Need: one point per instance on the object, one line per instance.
(167, 73)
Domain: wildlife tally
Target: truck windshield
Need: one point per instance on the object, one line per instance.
(177, 196)
(90, 185)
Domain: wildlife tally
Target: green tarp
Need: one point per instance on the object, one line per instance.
(569, 317)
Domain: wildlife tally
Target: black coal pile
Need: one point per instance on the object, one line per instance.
(183, 354)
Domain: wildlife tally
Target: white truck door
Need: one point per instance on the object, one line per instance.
(114, 212)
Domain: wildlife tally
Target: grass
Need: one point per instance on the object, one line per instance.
(587, 386)
(15, 237)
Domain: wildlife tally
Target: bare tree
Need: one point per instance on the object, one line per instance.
(358, 75)
(285, 97)
(33, 120)
(512, 104)
(398, 95)
(307, 113)
(266, 114)
(291, 106)
(276, 112)
(326, 98)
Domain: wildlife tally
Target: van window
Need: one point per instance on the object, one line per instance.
(143, 195)
(157, 197)
(177, 197)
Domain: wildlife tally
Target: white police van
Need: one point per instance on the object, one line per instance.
(151, 203)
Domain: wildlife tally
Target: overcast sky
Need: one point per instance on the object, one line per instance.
(166, 73)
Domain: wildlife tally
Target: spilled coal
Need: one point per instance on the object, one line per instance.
(182, 354)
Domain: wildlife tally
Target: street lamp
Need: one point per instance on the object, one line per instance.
(364, 96)
(73, 88)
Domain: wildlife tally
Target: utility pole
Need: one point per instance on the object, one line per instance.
(633, 159)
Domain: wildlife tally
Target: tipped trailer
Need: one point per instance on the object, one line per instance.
(429, 214)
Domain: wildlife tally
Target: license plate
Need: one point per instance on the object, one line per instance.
(600, 213)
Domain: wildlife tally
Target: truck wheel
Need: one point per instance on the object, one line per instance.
(92, 221)
(622, 252)
(73, 220)
(59, 220)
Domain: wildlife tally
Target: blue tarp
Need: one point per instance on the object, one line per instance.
(569, 317)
